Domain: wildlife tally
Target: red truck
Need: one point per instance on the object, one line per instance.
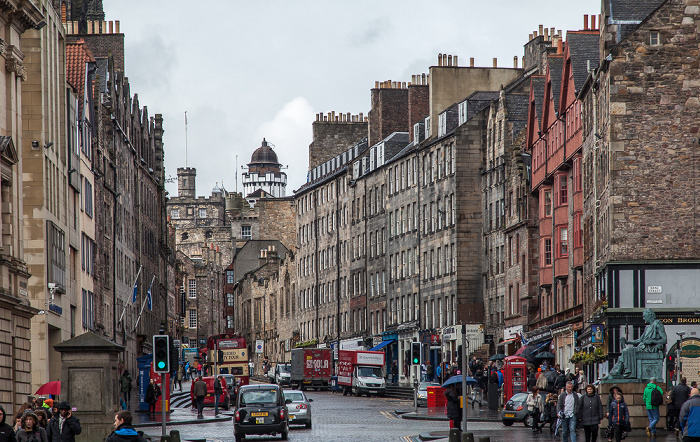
(361, 372)
(311, 368)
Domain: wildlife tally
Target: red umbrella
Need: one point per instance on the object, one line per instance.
(53, 387)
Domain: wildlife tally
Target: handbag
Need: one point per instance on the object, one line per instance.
(609, 432)
(627, 427)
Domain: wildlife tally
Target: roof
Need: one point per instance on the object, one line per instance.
(264, 155)
(555, 70)
(517, 106)
(259, 194)
(479, 101)
(630, 13)
(583, 48)
(538, 92)
(77, 54)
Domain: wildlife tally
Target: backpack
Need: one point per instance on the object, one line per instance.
(657, 398)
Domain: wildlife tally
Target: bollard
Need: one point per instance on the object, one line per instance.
(454, 435)
(175, 436)
(467, 437)
(484, 439)
(165, 439)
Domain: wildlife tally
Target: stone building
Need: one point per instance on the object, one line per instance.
(18, 303)
(641, 156)
(264, 173)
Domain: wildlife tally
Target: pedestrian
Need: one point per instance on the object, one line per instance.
(541, 381)
(535, 408)
(550, 411)
(125, 382)
(187, 370)
(199, 369)
(572, 377)
(43, 420)
(693, 384)
(581, 381)
(429, 372)
(423, 372)
(47, 406)
(218, 391)
(551, 377)
(454, 411)
(689, 417)
(152, 394)
(653, 397)
(31, 431)
(63, 427)
(7, 433)
(394, 372)
(438, 373)
(123, 431)
(568, 410)
(619, 416)
(531, 379)
(592, 413)
(200, 391)
(178, 376)
(679, 395)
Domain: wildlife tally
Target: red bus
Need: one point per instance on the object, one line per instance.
(233, 358)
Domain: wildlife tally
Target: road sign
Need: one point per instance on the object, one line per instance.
(259, 345)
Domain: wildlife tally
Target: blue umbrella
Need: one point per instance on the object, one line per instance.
(457, 379)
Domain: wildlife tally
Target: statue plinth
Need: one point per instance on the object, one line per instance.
(633, 392)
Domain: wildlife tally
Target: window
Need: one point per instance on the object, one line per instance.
(563, 242)
(578, 230)
(192, 288)
(175, 214)
(229, 299)
(547, 203)
(229, 276)
(229, 321)
(193, 318)
(563, 190)
(246, 232)
(202, 213)
(57, 256)
(547, 252)
(87, 187)
(88, 254)
(88, 310)
(654, 39)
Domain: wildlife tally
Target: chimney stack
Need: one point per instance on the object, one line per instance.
(455, 60)
(585, 22)
(471, 62)
(495, 62)
(546, 34)
(593, 24)
(515, 62)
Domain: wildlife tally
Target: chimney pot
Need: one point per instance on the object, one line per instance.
(541, 29)
(376, 85)
(515, 62)
(439, 59)
(111, 27)
(546, 34)
(593, 25)
(471, 62)
(449, 60)
(361, 119)
(424, 79)
(560, 47)
(455, 60)
(535, 34)
(551, 32)
(495, 62)
(116, 26)
(585, 22)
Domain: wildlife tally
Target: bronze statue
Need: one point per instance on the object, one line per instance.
(650, 346)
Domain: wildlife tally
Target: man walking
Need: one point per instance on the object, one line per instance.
(653, 397)
(690, 417)
(200, 391)
(125, 383)
(63, 427)
(218, 391)
(123, 431)
(569, 410)
(679, 395)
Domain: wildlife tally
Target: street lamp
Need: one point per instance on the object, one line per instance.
(679, 350)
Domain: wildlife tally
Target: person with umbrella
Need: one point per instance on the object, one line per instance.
(535, 407)
(454, 410)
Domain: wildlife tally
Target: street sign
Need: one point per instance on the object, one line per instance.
(259, 345)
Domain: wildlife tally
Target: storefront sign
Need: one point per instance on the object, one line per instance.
(434, 340)
(690, 360)
(539, 337)
(676, 320)
(448, 334)
(512, 332)
(376, 340)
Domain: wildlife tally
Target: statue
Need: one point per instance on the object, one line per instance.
(649, 347)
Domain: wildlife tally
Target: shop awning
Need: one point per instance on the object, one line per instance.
(507, 341)
(382, 345)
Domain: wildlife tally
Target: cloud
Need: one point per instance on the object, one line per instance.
(372, 31)
(144, 59)
(290, 133)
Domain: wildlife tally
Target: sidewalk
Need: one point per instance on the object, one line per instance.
(475, 414)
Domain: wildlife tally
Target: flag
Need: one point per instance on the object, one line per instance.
(136, 290)
(150, 299)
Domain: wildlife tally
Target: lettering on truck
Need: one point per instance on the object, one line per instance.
(370, 359)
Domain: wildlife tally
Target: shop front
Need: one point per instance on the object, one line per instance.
(511, 340)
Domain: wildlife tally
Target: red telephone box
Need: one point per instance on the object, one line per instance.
(514, 376)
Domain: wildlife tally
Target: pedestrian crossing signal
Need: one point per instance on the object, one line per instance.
(161, 353)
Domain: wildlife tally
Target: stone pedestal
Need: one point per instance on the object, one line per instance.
(633, 393)
(90, 383)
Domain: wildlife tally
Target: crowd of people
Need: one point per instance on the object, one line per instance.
(40, 420)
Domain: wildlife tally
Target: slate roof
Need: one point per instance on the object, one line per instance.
(582, 47)
(479, 101)
(556, 65)
(631, 13)
(538, 93)
(259, 194)
(77, 54)
(517, 105)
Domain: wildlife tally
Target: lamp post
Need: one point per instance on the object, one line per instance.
(679, 351)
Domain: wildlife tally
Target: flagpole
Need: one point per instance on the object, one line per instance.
(132, 287)
(143, 305)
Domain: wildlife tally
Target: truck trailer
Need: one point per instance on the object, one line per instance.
(361, 372)
(311, 368)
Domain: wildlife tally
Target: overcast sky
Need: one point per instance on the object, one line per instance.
(244, 70)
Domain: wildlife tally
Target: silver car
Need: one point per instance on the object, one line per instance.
(422, 393)
(299, 408)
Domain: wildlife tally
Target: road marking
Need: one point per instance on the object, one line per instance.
(389, 415)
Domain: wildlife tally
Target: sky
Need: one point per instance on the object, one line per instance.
(248, 70)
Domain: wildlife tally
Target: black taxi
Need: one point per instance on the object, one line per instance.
(261, 409)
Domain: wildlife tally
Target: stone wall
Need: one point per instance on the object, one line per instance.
(331, 138)
(418, 105)
(389, 111)
(277, 220)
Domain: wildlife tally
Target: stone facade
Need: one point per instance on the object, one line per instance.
(333, 134)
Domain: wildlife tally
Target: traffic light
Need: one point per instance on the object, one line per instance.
(459, 357)
(174, 356)
(415, 353)
(220, 357)
(161, 353)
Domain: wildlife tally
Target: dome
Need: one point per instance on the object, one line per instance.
(264, 155)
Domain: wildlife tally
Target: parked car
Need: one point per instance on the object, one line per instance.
(231, 385)
(283, 374)
(299, 408)
(261, 409)
(422, 393)
(209, 399)
(515, 410)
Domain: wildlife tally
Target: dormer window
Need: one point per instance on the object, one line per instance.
(654, 38)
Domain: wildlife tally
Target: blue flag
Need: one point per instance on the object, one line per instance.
(150, 300)
(136, 289)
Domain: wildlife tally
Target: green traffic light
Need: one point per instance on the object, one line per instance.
(161, 364)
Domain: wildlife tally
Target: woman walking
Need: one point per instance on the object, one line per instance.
(619, 416)
(535, 407)
(454, 411)
(31, 431)
(591, 413)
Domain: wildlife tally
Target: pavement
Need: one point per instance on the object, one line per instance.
(474, 414)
